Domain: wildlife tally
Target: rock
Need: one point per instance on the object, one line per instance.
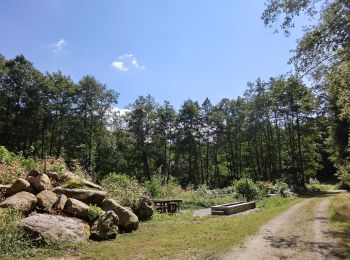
(87, 196)
(106, 227)
(46, 199)
(52, 175)
(128, 221)
(66, 176)
(23, 201)
(92, 185)
(145, 209)
(40, 181)
(76, 208)
(54, 227)
(3, 190)
(61, 202)
(18, 186)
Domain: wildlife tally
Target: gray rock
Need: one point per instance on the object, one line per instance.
(23, 202)
(56, 227)
(39, 181)
(76, 208)
(92, 185)
(144, 210)
(128, 221)
(46, 199)
(18, 186)
(94, 197)
(61, 202)
(106, 227)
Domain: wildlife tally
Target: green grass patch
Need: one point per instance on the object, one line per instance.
(183, 236)
(340, 219)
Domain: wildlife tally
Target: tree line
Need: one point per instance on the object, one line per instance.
(279, 128)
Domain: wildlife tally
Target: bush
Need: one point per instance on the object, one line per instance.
(265, 188)
(73, 183)
(344, 176)
(10, 166)
(281, 188)
(127, 191)
(29, 163)
(154, 187)
(94, 213)
(5, 155)
(13, 238)
(246, 188)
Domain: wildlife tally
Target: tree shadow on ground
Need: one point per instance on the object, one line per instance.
(327, 250)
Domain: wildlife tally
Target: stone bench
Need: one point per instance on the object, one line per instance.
(232, 208)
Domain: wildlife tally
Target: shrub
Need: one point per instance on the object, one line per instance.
(265, 188)
(10, 166)
(13, 238)
(281, 188)
(5, 155)
(154, 187)
(127, 191)
(246, 188)
(29, 163)
(73, 183)
(94, 213)
(344, 176)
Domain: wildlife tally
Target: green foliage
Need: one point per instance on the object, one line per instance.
(265, 188)
(281, 188)
(246, 188)
(13, 238)
(125, 190)
(154, 187)
(94, 213)
(73, 183)
(5, 155)
(344, 176)
(29, 163)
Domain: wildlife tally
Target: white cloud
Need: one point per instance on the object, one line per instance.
(125, 61)
(119, 65)
(125, 56)
(136, 64)
(59, 45)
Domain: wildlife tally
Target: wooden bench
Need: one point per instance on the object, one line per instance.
(167, 206)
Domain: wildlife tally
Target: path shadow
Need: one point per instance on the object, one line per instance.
(327, 250)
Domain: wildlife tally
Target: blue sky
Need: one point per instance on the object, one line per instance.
(171, 49)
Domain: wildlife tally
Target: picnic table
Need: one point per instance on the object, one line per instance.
(167, 206)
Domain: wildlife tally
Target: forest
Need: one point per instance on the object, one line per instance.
(280, 129)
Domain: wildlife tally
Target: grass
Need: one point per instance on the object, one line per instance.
(340, 219)
(197, 201)
(183, 236)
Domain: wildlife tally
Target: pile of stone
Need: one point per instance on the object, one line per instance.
(57, 213)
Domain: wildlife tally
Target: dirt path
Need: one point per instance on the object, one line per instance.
(301, 232)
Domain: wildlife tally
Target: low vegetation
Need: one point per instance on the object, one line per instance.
(340, 219)
(94, 213)
(13, 238)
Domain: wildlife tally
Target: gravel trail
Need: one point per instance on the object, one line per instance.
(301, 232)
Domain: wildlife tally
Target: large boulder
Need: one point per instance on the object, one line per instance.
(23, 202)
(46, 200)
(144, 210)
(106, 227)
(76, 208)
(128, 221)
(87, 196)
(91, 185)
(18, 186)
(39, 181)
(54, 227)
(61, 202)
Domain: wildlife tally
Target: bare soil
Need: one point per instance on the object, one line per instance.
(301, 232)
